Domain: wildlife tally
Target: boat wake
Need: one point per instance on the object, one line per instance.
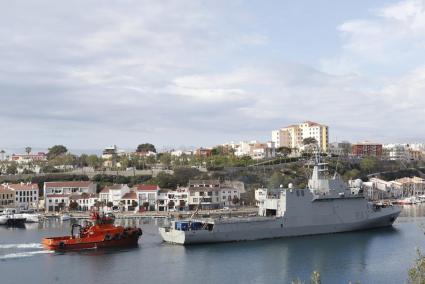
(21, 246)
(23, 254)
(11, 251)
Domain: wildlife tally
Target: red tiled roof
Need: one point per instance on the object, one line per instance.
(130, 195)
(143, 187)
(105, 190)
(23, 186)
(67, 184)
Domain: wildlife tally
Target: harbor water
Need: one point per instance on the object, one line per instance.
(375, 256)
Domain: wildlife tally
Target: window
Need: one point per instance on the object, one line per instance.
(302, 192)
(209, 193)
(201, 193)
(298, 193)
(192, 193)
(195, 200)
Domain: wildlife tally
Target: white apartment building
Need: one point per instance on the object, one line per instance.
(85, 202)
(26, 194)
(56, 194)
(395, 151)
(173, 200)
(292, 136)
(114, 194)
(213, 194)
(28, 157)
(255, 149)
(129, 201)
(147, 195)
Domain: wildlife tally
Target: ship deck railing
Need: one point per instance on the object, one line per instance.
(230, 220)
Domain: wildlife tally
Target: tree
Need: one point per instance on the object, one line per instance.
(351, 174)
(284, 150)
(97, 204)
(309, 140)
(55, 151)
(134, 203)
(235, 200)
(73, 205)
(171, 204)
(12, 168)
(146, 147)
(368, 164)
(109, 204)
(28, 150)
(276, 180)
(93, 161)
(145, 205)
(61, 206)
(165, 159)
(417, 272)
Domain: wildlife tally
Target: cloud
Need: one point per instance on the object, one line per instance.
(88, 74)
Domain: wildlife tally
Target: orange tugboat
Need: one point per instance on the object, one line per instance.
(100, 233)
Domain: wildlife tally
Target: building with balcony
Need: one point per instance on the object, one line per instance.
(147, 196)
(292, 136)
(26, 194)
(57, 194)
(366, 148)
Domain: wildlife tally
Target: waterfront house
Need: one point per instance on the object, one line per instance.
(85, 201)
(56, 194)
(7, 197)
(147, 196)
(114, 193)
(129, 201)
(173, 200)
(213, 194)
(26, 194)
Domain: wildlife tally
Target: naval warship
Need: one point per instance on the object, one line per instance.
(327, 205)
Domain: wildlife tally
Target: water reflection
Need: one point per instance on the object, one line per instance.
(288, 258)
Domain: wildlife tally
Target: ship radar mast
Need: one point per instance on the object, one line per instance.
(319, 167)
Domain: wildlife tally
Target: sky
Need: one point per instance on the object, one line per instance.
(88, 74)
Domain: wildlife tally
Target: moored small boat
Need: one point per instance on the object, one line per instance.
(12, 220)
(65, 217)
(99, 234)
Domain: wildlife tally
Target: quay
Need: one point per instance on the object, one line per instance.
(246, 211)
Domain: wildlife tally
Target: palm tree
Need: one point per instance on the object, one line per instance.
(28, 150)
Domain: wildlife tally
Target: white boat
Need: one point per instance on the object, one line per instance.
(3, 219)
(12, 220)
(328, 205)
(31, 217)
(65, 217)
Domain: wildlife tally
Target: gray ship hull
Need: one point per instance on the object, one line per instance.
(268, 228)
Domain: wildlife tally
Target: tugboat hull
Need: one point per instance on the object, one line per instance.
(102, 234)
(68, 243)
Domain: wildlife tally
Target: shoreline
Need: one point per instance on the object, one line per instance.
(162, 214)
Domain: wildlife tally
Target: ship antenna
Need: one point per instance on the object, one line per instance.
(336, 166)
